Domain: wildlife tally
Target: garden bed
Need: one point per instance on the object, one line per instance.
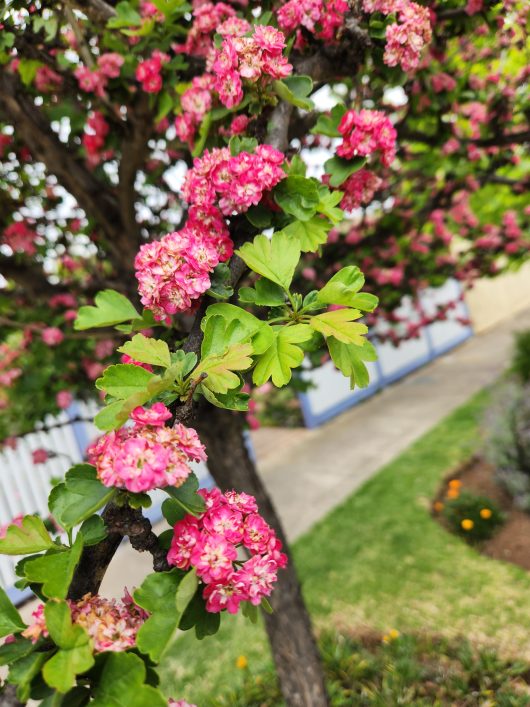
(511, 541)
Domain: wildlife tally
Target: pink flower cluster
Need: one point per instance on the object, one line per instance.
(148, 455)
(20, 237)
(405, 38)
(52, 336)
(236, 182)
(95, 80)
(112, 625)
(359, 189)
(148, 71)
(210, 545)
(96, 131)
(320, 17)
(207, 17)
(175, 270)
(366, 132)
(254, 58)
(196, 101)
(252, 54)
(47, 80)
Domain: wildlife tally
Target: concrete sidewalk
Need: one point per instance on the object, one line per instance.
(309, 472)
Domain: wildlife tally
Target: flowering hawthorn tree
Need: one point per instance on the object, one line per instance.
(125, 121)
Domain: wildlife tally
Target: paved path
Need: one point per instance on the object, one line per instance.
(309, 472)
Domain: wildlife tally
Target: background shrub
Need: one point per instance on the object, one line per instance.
(507, 448)
(521, 356)
(473, 517)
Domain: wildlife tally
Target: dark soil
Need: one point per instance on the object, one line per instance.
(512, 540)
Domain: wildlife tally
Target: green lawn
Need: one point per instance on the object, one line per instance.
(380, 561)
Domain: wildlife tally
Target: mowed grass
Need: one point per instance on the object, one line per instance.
(379, 561)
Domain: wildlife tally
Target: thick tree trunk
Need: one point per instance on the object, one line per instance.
(294, 649)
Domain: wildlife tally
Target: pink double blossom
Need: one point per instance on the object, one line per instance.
(175, 270)
(112, 625)
(320, 17)
(20, 237)
(235, 182)
(148, 455)
(210, 544)
(148, 72)
(359, 189)
(366, 132)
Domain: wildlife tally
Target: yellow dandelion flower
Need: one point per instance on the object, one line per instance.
(455, 484)
(467, 524)
(485, 513)
(242, 662)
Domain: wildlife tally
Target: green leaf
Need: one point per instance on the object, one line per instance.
(93, 530)
(172, 511)
(55, 569)
(126, 16)
(340, 168)
(110, 308)
(27, 68)
(297, 166)
(196, 616)
(123, 380)
(79, 497)
(264, 293)
(328, 124)
(349, 358)
(144, 30)
(186, 591)
(220, 368)
(165, 104)
(24, 670)
(123, 684)
(157, 594)
(265, 605)
(233, 400)
(294, 90)
(310, 234)
(221, 284)
(276, 259)
(146, 321)
(297, 196)
(220, 334)
(75, 651)
(365, 301)
(10, 619)
(168, 7)
(239, 144)
(146, 350)
(340, 324)
(342, 287)
(250, 612)
(259, 216)
(107, 417)
(11, 652)
(186, 495)
(31, 537)
(328, 204)
(254, 328)
(204, 130)
(282, 356)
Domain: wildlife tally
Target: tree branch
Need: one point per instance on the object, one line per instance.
(97, 10)
(96, 199)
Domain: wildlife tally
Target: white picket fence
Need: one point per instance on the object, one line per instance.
(25, 486)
